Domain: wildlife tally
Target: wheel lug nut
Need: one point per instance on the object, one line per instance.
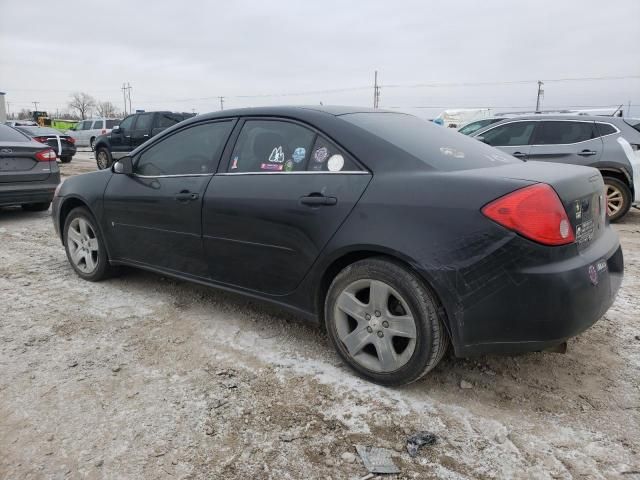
(369, 329)
(377, 313)
(385, 324)
(380, 334)
(367, 316)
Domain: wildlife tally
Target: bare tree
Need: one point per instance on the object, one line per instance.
(106, 109)
(24, 114)
(82, 103)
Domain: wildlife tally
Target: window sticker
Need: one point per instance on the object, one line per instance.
(234, 165)
(277, 155)
(321, 154)
(271, 166)
(335, 163)
(299, 154)
(288, 166)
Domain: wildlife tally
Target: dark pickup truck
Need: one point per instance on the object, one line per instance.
(134, 130)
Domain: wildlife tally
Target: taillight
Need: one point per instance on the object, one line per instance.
(47, 155)
(70, 139)
(103, 131)
(535, 212)
(40, 139)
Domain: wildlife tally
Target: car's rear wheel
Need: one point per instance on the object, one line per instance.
(36, 207)
(85, 246)
(65, 159)
(618, 198)
(103, 158)
(92, 143)
(384, 322)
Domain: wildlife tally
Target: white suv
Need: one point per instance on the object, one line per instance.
(86, 131)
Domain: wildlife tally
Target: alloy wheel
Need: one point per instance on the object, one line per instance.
(83, 245)
(375, 325)
(102, 159)
(615, 200)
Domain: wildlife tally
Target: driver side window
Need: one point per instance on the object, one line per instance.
(127, 123)
(191, 151)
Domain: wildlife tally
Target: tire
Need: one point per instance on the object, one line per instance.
(85, 246)
(65, 159)
(36, 207)
(92, 143)
(367, 327)
(618, 198)
(103, 158)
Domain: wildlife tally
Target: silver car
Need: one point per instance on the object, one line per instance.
(610, 144)
(85, 132)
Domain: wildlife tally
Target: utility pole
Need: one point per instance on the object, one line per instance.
(129, 92)
(124, 97)
(540, 96)
(35, 104)
(376, 91)
(221, 103)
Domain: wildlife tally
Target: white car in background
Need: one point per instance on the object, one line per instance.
(86, 131)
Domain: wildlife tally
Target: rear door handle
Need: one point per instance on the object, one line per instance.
(317, 200)
(186, 196)
(587, 153)
(519, 154)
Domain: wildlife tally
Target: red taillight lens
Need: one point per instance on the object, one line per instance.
(535, 212)
(103, 131)
(47, 155)
(40, 139)
(70, 139)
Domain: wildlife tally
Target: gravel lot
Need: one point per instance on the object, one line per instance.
(147, 377)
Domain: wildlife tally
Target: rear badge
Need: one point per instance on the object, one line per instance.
(593, 275)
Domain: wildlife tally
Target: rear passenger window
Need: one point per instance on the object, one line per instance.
(606, 129)
(271, 146)
(326, 157)
(560, 133)
(510, 134)
(194, 150)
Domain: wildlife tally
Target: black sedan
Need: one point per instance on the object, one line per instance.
(29, 173)
(63, 145)
(399, 236)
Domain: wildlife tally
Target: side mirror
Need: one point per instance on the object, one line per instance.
(123, 166)
(116, 129)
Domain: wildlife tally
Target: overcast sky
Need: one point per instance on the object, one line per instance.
(182, 55)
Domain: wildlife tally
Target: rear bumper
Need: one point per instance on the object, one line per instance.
(542, 306)
(29, 192)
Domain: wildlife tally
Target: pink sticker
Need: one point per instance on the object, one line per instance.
(271, 166)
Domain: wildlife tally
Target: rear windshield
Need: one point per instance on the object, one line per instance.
(439, 147)
(633, 122)
(40, 131)
(112, 123)
(8, 134)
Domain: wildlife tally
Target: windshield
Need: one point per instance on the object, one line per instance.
(441, 148)
(474, 126)
(8, 134)
(633, 122)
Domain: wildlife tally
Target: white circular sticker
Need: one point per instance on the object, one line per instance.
(335, 163)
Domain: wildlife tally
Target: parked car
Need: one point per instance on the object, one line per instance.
(472, 127)
(29, 173)
(610, 144)
(62, 144)
(400, 236)
(133, 131)
(85, 132)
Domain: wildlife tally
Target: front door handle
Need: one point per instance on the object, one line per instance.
(317, 200)
(186, 196)
(587, 153)
(519, 154)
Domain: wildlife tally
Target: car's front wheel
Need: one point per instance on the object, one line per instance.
(85, 246)
(92, 143)
(618, 198)
(384, 322)
(103, 158)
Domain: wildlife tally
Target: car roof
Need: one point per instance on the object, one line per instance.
(291, 111)
(584, 118)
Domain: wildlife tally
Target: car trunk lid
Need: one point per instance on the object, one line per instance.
(19, 164)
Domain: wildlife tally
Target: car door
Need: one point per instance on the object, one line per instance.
(566, 141)
(81, 132)
(284, 193)
(120, 139)
(141, 130)
(512, 137)
(153, 216)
